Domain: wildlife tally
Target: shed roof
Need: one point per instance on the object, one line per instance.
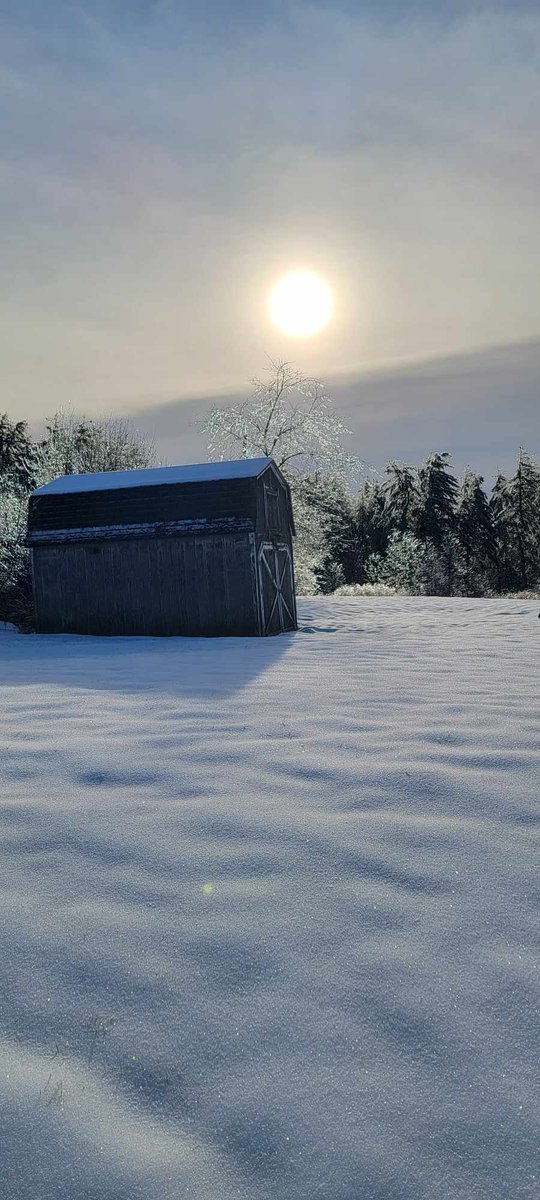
(242, 468)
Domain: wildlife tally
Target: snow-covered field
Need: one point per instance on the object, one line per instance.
(269, 909)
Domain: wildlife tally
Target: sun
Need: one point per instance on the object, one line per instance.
(301, 304)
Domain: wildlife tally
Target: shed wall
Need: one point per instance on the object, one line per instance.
(194, 586)
(273, 519)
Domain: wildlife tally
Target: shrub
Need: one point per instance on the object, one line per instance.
(526, 594)
(366, 589)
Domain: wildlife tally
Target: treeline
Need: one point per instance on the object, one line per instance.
(418, 531)
(424, 532)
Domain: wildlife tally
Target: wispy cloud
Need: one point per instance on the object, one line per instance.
(159, 171)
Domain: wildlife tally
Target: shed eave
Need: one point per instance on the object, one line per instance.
(155, 529)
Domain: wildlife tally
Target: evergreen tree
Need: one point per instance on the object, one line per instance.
(309, 549)
(434, 517)
(407, 564)
(17, 457)
(435, 503)
(521, 515)
(335, 506)
(16, 599)
(475, 535)
(15, 569)
(401, 494)
(324, 519)
(506, 577)
(371, 531)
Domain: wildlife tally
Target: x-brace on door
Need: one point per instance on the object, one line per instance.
(278, 609)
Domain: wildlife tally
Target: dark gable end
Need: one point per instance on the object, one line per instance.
(273, 470)
(142, 511)
(160, 510)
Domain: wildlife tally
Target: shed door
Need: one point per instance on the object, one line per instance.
(277, 588)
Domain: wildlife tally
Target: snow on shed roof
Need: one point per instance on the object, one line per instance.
(242, 468)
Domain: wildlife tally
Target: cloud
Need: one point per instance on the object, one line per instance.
(480, 407)
(162, 170)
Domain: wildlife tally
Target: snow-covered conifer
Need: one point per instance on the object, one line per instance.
(475, 535)
(435, 505)
(519, 511)
(401, 493)
(371, 531)
(407, 564)
(17, 457)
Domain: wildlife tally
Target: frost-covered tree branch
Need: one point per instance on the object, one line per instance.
(76, 445)
(290, 418)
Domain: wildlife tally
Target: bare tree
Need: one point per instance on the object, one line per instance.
(76, 445)
(290, 418)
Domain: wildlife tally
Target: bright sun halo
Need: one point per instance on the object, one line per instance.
(301, 303)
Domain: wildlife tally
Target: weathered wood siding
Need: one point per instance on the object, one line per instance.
(197, 586)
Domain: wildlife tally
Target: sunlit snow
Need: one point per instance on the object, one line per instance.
(270, 909)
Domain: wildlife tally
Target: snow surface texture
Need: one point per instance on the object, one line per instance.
(242, 468)
(269, 909)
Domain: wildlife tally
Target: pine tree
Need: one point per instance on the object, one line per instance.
(371, 531)
(407, 564)
(521, 512)
(16, 600)
(401, 494)
(475, 535)
(15, 569)
(434, 517)
(18, 466)
(309, 547)
(505, 574)
(324, 519)
(435, 505)
(336, 507)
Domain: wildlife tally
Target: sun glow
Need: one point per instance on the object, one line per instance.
(301, 304)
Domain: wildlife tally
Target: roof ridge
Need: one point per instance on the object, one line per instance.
(215, 471)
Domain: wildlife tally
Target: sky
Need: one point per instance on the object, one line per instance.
(163, 164)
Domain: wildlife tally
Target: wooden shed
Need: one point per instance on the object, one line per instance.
(199, 550)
